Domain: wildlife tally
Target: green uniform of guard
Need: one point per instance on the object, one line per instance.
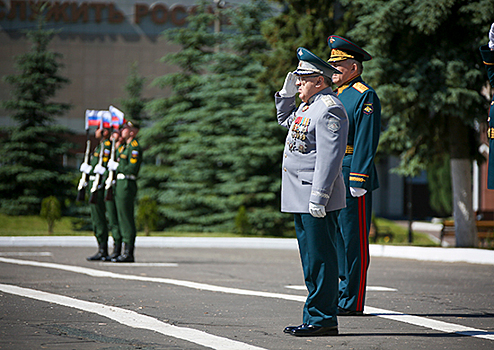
(487, 52)
(126, 190)
(97, 205)
(111, 210)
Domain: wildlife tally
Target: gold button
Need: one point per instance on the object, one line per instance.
(284, 169)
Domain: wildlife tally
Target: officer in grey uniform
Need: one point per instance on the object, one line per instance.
(312, 184)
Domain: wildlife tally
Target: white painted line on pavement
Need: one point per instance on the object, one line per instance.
(26, 254)
(133, 319)
(188, 284)
(368, 288)
(140, 264)
(392, 315)
(430, 323)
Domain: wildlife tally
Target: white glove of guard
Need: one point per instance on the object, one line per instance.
(112, 165)
(99, 169)
(289, 88)
(317, 210)
(357, 192)
(491, 37)
(85, 168)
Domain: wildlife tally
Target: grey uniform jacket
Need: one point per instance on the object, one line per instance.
(314, 151)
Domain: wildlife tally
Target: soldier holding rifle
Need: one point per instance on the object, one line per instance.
(111, 209)
(99, 160)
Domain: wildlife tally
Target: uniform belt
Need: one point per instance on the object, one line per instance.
(490, 133)
(124, 177)
(349, 149)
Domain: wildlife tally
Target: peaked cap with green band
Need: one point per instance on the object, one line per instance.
(311, 64)
(342, 49)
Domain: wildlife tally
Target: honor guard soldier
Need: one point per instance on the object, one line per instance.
(487, 52)
(127, 169)
(312, 184)
(111, 208)
(364, 117)
(97, 178)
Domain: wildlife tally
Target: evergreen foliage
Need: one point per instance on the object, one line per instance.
(219, 145)
(51, 211)
(300, 24)
(133, 105)
(427, 71)
(147, 214)
(32, 150)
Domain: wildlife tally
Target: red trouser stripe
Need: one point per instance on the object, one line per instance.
(363, 252)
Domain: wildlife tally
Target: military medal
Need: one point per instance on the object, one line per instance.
(306, 107)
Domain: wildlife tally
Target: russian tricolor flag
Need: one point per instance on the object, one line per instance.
(98, 118)
(117, 117)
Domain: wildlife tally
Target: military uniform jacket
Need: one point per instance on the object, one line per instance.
(106, 148)
(488, 58)
(364, 126)
(130, 158)
(313, 154)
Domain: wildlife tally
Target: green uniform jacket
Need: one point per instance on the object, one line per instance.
(488, 58)
(106, 157)
(130, 158)
(364, 127)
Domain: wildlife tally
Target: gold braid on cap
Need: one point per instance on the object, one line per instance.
(338, 55)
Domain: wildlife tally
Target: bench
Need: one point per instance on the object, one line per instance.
(485, 231)
(376, 232)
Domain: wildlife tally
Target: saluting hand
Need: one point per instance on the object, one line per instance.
(491, 37)
(289, 86)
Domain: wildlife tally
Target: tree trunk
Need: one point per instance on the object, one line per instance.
(461, 182)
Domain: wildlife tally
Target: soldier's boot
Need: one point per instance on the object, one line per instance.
(127, 255)
(102, 253)
(117, 250)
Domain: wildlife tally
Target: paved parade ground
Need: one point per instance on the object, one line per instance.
(233, 294)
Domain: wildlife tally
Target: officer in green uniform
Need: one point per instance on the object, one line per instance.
(97, 198)
(487, 52)
(364, 117)
(126, 189)
(111, 208)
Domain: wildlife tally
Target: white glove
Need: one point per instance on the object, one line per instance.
(289, 88)
(357, 192)
(99, 169)
(85, 168)
(491, 37)
(317, 210)
(112, 165)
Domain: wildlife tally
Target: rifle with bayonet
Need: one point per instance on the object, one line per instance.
(97, 178)
(81, 195)
(110, 181)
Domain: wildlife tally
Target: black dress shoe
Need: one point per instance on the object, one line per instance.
(289, 329)
(345, 312)
(308, 330)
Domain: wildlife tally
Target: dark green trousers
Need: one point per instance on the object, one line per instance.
(317, 244)
(125, 194)
(111, 211)
(353, 249)
(98, 217)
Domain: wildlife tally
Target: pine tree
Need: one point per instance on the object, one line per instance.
(32, 151)
(227, 144)
(133, 104)
(427, 71)
(306, 24)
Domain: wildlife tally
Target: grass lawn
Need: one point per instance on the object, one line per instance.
(36, 226)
